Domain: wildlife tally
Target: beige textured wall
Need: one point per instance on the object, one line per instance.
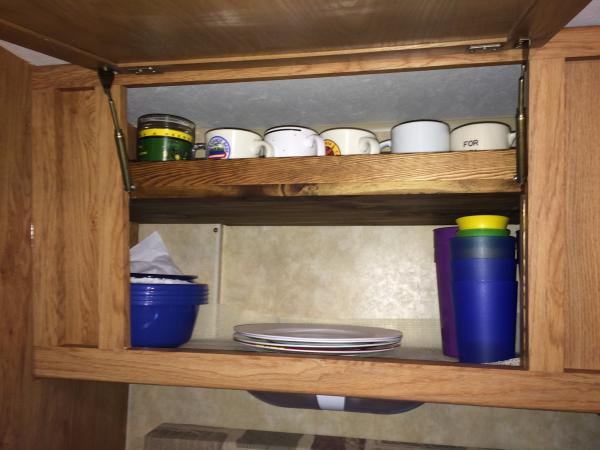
(368, 275)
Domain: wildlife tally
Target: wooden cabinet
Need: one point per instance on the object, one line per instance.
(81, 214)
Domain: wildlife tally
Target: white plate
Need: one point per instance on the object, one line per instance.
(250, 340)
(319, 333)
(346, 351)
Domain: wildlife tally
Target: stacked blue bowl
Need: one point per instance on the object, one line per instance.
(484, 290)
(163, 315)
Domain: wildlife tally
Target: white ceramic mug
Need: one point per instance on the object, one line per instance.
(421, 136)
(482, 136)
(233, 143)
(350, 141)
(294, 141)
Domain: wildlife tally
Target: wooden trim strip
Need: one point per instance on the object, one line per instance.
(326, 66)
(48, 315)
(65, 76)
(463, 44)
(582, 42)
(113, 245)
(423, 168)
(45, 44)
(368, 377)
(546, 248)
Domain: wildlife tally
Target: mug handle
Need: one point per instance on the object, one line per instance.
(372, 144)
(266, 149)
(320, 143)
(385, 144)
(512, 139)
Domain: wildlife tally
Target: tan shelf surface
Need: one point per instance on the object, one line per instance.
(418, 188)
(440, 382)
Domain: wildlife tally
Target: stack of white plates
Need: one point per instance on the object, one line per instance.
(322, 339)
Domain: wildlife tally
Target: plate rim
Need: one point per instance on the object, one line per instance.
(385, 334)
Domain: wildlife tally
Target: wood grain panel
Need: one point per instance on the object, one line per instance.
(53, 414)
(428, 168)
(49, 328)
(428, 209)
(583, 215)
(580, 42)
(362, 189)
(184, 29)
(76, 137)
(544, 18)
(366, 377)
(80, 213)
(546, 215)
(15, 247)
(112, 241)
(65, 76)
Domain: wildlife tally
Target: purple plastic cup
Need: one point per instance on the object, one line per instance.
(441, 245)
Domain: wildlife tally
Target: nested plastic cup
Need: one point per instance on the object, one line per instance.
(482, 221)
(483, 232)
(483, 247)
(441, 243)
(484, 269)
(486, 320)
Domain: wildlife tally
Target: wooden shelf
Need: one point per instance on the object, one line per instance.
(407, 189)
(440, 382)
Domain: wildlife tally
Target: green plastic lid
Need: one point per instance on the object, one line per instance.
(483, 232)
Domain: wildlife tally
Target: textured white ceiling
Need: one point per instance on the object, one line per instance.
(590, 15)
(395, 97)
(31, 56)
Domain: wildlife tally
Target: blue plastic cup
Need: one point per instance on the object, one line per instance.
(468, 247)
(484, 269)
(486, 317)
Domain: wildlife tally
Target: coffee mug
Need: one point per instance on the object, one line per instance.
(421, 136)
(482, 136)
(234, 143)
(293, 141)
(350, 141)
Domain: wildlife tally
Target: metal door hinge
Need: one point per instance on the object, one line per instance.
(143, 70)
(524, 43)
(481, 48)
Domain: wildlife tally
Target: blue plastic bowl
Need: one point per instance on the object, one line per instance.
(163, 315)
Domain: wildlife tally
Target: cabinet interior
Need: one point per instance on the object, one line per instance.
(350, 270)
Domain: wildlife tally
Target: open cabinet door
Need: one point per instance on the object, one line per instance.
(149, 35)
(36, 413)
(81, 219)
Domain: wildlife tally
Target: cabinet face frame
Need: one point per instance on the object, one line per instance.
(543, 384)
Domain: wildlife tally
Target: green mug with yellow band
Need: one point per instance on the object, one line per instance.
(165, 137)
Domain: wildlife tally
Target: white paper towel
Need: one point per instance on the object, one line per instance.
(151, 256)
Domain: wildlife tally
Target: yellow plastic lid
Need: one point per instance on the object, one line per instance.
(482, 221)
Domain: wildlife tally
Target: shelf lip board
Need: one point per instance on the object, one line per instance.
(423, 209)
(365, 377)
(470, 171)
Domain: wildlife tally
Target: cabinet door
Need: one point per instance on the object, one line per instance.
(582, 214)
(80, 214)
(141, 33)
